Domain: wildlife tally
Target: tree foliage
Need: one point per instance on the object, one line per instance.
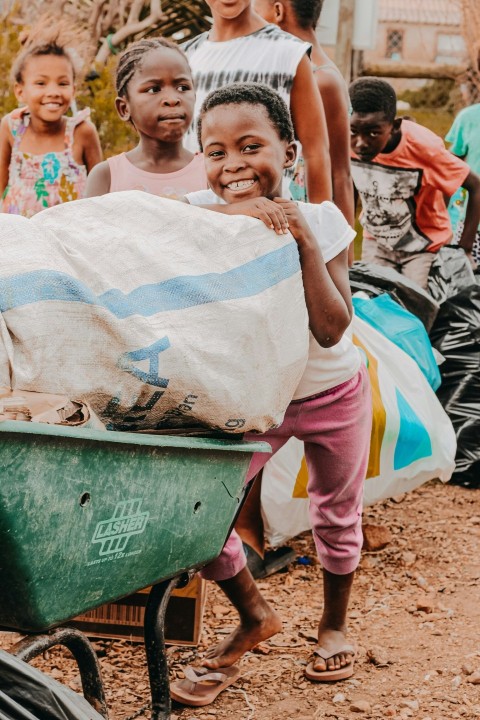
(110, 24)
(471, 33)
(434, 94)
(9, 47)
(116, 136)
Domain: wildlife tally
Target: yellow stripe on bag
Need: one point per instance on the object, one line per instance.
(300, 489)
(379, 413)
(378, 428)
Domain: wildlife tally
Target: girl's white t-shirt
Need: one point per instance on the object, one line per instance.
(326, 367)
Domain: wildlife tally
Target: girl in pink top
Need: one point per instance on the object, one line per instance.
(155, 93)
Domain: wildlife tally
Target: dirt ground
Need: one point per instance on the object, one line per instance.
(415, 618)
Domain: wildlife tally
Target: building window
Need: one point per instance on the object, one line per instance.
(394, 45)
(450, 49)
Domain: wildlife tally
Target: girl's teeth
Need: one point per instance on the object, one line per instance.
(240, 185)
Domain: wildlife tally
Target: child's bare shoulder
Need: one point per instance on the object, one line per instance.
(6, 130)
(102, 169)
(85, 129)
(99, 180)
(329, 79)
(334, 95)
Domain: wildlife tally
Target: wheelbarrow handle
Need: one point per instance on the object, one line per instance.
(84, 654)
(154, 635)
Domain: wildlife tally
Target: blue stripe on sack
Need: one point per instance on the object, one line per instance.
(177, 293)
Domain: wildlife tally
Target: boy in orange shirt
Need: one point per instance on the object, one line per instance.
(402, 173)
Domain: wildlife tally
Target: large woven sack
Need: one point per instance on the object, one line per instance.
(155, 313)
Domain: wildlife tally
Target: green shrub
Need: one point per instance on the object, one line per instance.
(9, 49)
(116, 136)
(438, 121)
(435, 94)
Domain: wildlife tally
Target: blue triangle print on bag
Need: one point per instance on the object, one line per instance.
(413, 440)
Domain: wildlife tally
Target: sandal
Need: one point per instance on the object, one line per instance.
(341, 673)
(201, 686)
(273, 561)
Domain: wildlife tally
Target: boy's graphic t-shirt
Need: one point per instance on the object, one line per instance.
(326, 367)
(402, 192)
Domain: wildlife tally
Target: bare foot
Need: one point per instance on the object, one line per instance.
(244, 638)
(331, 640)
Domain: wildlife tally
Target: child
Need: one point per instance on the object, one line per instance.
(402, 171)
(247, 139)
(44, 155)
(464, 137)
(300, 18)
(242, 47)
(155, 93)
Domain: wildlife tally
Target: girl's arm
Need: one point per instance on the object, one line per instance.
(308, 117)
(5, 153)
(87, 137)
(472, 214)
(99, 180)
(338, 271)
(335, 102)
(357, 207)
(327, 291)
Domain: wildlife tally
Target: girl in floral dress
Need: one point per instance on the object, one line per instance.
(44, 155)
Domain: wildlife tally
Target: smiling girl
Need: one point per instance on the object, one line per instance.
(155, 93)
(247, 137)
(44, 155)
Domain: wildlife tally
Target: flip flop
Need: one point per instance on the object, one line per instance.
(274, 560)
(331, 675)
(201, 685)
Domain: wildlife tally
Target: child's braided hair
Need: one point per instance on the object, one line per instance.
(131, 58)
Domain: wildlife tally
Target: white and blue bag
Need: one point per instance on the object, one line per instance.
(412, 440)
(155, 313)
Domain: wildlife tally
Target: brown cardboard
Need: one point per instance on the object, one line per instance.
(124, 618)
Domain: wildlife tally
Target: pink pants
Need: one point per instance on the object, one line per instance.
(335, 427)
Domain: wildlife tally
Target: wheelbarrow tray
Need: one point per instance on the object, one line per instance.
(87, 517)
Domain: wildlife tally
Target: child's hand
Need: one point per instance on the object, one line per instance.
(472, 260)
(268, 211)
(297, 224)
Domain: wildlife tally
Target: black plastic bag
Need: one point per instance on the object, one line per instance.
(28, 694)
(456, 334)
(450, 273)
(377, 279)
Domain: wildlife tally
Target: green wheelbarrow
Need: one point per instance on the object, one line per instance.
(88, 517)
